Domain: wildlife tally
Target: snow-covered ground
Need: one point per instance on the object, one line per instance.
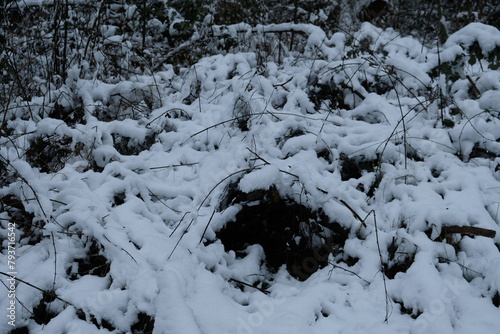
(127, 203)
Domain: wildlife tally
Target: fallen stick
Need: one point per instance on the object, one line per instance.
(466, 230)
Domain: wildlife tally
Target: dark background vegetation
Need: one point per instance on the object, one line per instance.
(41, 43)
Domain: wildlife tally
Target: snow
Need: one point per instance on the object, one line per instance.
(486, 36)
(148, 211)
(260, 179)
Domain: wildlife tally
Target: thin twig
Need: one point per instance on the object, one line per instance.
(159, 200)
(227, 177)
(206, 227)
(216, 125)
(179, 224)
(50, 293)
(349, 271)
(249, 285)
(354, 213)
(473, 84)
(460, 265)
(123, 249)
(291, 174)
(382, 268)
(164, 113)
(283, 84)
(55, 260)
(178, 241)
(403, 122)
(172, 166)
(260, 114)
(258, 156)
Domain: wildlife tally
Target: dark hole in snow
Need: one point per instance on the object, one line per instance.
(133, 146)
(42, 313)
(118, 199)
(242, 113)
(290, 133)
(479, 152)
(400, 260)
(448, 123)
(92, 319)
(50, 153)
(352, 168)
(408, 310)
(496, 299)
(350, 261)
(31, 234)
(6, 177)
(411, 153)
(144, 325)
(436, 173)
(20, 330)
(400, 265)
(93, 264)
(325, 154)
(69, 115)
(327, 94)
(290, 233)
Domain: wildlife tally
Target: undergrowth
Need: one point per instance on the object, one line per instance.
(89, 86)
